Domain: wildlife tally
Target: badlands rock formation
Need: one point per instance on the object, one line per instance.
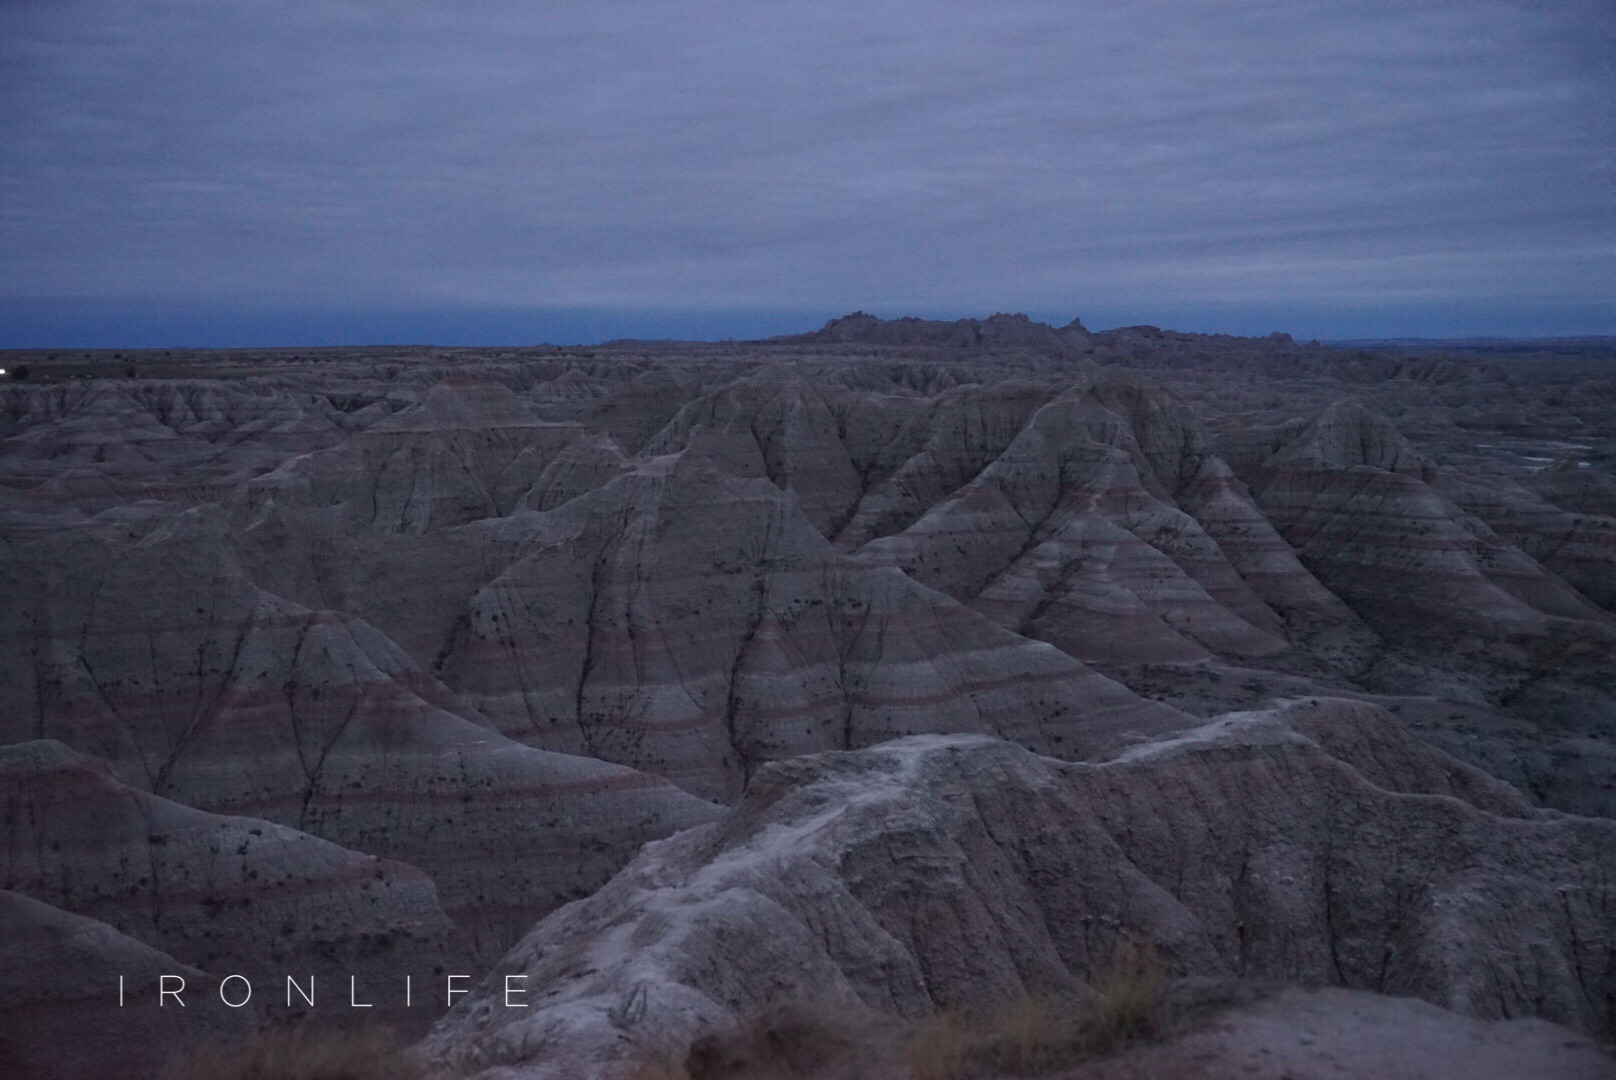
(60, 1017)
(946, 872)
(194, 684)
(488, 621)
(225, 894)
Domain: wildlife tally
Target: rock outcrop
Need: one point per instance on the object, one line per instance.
(953, 871)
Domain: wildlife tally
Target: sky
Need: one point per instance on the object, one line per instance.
(480, 172)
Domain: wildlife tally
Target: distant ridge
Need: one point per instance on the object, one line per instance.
(1562, 343)
(1000, 331)
(1005, 333)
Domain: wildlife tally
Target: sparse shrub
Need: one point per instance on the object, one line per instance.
(1041, 1034)
(1127, 996)
(802, 1040)
(302, 1054)
(1034, 1035)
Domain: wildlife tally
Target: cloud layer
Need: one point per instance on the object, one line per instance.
(1164, 155)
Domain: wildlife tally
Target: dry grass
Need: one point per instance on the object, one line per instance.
(1040, 1034)
(1034, 1035)
(941, 1046)
(1030, 1036)
(303, 1054)
(1127, 997)
(800, 1040)
(659, 1067)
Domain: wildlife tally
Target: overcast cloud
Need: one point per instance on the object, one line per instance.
(1334, 164)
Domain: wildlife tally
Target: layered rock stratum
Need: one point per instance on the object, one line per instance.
(976, 641)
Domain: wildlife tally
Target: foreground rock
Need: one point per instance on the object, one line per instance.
(1317, 842)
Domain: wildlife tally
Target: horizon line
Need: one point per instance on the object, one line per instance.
(46, 325)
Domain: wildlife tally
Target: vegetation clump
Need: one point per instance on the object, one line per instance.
(1039, 1034)
(1124, 1003)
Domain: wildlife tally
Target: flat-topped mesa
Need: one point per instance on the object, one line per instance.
(1316, 842)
